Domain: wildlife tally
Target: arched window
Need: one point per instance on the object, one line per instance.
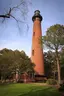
(33, 52)
(33, 33)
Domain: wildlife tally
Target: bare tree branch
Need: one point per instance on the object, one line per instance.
(8, 15)
(18, 5)
(22, 7)
(5, 16)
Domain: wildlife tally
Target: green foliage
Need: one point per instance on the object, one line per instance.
(62, 56)
(54, 38)
(13, 61)
(50, 64)
(61, 88)
(51, 82)
(62, 63)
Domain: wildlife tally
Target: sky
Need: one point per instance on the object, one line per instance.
(12, 37)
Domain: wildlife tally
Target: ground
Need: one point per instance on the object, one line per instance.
(27, 90)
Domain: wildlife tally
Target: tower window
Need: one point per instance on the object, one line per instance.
(33, 52)
(33, 33)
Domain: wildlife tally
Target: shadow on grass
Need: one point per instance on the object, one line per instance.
(41, 92)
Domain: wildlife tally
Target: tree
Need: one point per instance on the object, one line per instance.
(50, 64)
(23, 62)
(13, 61)
(62, 63)
(22, 8)
(54, 40)
(6, 63)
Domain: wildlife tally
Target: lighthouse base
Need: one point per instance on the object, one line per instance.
(40, 78)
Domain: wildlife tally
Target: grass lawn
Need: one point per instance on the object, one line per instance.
(27, 90)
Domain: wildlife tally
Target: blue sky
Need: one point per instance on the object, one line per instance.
(10, 36)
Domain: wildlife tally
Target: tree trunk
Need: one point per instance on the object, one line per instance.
(58, 67)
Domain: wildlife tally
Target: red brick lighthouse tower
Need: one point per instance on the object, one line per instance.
(37, 52)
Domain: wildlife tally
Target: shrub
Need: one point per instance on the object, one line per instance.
(61, 87)
(51, 82)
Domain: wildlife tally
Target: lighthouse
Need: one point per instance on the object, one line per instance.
(37, 50)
